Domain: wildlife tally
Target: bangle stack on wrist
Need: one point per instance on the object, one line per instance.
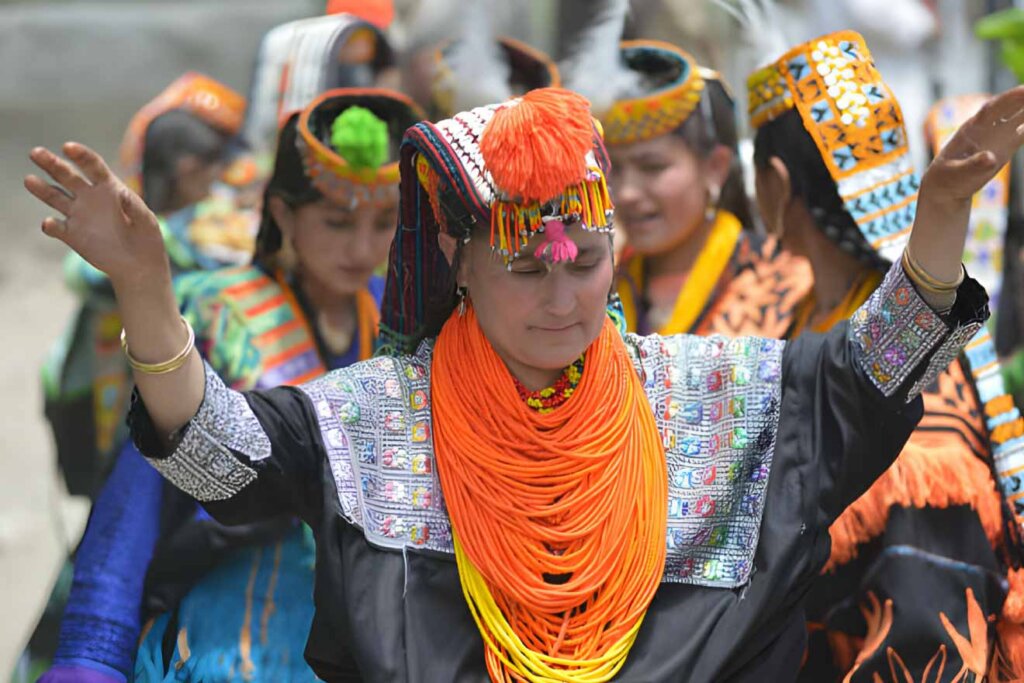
(167, 366)
(925, 281)
(940, 295)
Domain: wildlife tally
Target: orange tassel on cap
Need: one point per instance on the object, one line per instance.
(537, 147)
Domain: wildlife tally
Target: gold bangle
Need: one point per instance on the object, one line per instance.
(925, 280)
(167, 366)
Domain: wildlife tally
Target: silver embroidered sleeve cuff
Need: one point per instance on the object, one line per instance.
(902, 345)
(214, 449)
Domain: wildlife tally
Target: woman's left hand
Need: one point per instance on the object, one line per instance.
(978, 149)
(975, 153)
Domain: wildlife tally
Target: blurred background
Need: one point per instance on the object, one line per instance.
(80, 69)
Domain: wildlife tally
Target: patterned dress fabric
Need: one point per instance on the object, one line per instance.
(767, 444)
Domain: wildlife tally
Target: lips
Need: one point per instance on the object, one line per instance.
(555, 328)
(639, 221)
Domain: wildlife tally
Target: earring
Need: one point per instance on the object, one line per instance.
(286, 259)
(462, 293)
(711, 209)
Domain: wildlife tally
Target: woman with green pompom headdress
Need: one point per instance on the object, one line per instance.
(306, 305)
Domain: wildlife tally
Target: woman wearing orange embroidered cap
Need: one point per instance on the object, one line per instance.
(691, 262)
(601, 534)
(174, 148)
(919, 557)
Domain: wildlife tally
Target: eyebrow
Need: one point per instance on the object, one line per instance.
(647, 156)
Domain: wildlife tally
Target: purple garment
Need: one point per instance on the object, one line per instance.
(79, 674)
(102, 620)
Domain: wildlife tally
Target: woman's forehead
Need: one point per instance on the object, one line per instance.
(586, 240)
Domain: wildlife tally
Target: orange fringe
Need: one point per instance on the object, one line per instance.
(537, 147)
(1008, 662)
(926, 474)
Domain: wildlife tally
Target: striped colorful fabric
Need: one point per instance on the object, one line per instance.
(250, 326)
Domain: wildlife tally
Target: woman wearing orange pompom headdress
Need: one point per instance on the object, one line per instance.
(513, 487)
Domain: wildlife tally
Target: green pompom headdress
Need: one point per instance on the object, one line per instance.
(347, 138)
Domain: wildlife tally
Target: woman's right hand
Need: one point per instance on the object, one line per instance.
(112, 229)
(104, 221)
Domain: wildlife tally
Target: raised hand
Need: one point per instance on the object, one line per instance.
(111, 228)
(981, 146)
(105, 222)
(974, 154)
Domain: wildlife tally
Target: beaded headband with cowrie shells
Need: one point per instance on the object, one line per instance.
(857, 125)
(665, 106)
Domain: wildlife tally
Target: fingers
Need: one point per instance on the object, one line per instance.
(55, 228)
(133, 207)
(91, 163)
(52, 195)
(963, 177)
(58, 169)
(1008, 107)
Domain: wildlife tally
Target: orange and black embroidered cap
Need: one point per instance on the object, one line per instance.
(856, 124)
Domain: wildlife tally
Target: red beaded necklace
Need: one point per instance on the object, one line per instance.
(549, 398)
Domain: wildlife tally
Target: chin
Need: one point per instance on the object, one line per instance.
(346, 289)
(561, 353)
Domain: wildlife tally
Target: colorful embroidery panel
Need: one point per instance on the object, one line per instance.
(202, 465)
(1002, 417)
(716, 402)
(250, 328)
(376, 425)
(983, 253)
(857, 125)
(895, 330)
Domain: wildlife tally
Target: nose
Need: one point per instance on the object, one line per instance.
(361, 250)
(559, 295)
(625, 187)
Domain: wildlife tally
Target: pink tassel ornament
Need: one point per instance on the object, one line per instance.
(556, 247)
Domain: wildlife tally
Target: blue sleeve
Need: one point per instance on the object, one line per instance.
(102, 620)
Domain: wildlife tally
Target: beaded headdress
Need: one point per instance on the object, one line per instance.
(983, 253)
(856, 124)
(530, 165)
(348, 140)
(210, 101)
(672, 85)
